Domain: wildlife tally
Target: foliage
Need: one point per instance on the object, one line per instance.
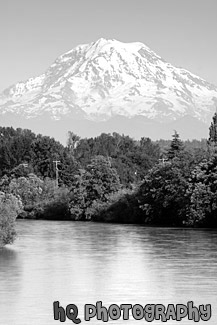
(162, 195)
(15, 148)
(22, 153)
(22, 170)
(111, 178)
(68, 168)
(41, 198)
(72, 141)
(176, 146)
(95, 183)
(213, 131)
(121, 207)
(29, 188)
(56, 207)
(45, 151)
(10, 207)
(130, 158)
(203, 190)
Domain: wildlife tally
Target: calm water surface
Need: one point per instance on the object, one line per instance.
(76, 262)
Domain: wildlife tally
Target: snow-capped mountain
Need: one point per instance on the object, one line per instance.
(97, 82)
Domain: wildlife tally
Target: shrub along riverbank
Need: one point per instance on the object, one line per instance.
(10, 207)
(110, 178)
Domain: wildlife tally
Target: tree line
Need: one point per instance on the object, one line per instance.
(109, 178)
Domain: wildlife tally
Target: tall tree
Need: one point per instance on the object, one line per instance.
(98, 181)
(72, 141)
(163, 194)
(45, 151)
(213, 131)
(176, 146)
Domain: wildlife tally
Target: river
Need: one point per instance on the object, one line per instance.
(82, 263)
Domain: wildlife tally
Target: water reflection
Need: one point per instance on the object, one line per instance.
(9, 264)
(78, 262)
(10, 280)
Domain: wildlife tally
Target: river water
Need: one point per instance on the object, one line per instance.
(82, 263)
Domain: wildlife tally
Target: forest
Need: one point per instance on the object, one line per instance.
(109, 178)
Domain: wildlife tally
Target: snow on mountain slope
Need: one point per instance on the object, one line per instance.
(106, 78)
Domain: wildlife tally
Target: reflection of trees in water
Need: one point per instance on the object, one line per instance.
(10, 277)
(11, 283)
(112, 261)
(10, 270)
(8, 258)
(185, 258)
(184, 244)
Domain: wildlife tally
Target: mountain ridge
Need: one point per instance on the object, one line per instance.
(108, 78)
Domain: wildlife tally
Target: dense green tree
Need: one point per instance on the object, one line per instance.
(95, 183)
(176, 146)
(40, 197)
(54, 206)
(112, 177)
(68, 168)
(29, 189)
(72, 141)
(10, 207)
(15, 148)
(203, 191)
(7, 160)
(45, 151)
(130, 158)
(103, 177)
(213, 131)
(121, 207)
(163, 197)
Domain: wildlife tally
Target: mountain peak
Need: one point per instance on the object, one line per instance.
(109, 78)
(133, 46)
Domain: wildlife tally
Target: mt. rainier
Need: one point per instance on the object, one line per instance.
(110, 86)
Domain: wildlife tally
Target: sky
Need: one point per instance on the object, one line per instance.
(34, 33)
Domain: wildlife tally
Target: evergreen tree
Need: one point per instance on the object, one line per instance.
(213, 131)
(176, 146)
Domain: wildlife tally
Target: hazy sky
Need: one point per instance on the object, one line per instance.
(34, 33)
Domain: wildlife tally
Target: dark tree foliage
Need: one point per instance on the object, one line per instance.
(122, 207)
(130, 158)
(68, 168)
(15, 148)
(198, 149)
(45, 151)
(10, 206)
(22, 152)
(176, 146)
(95, 183)
(202, 187)
(213, 131)
(162, 196)
(112, 178)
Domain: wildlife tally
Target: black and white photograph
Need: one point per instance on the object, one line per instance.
(108, 162)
